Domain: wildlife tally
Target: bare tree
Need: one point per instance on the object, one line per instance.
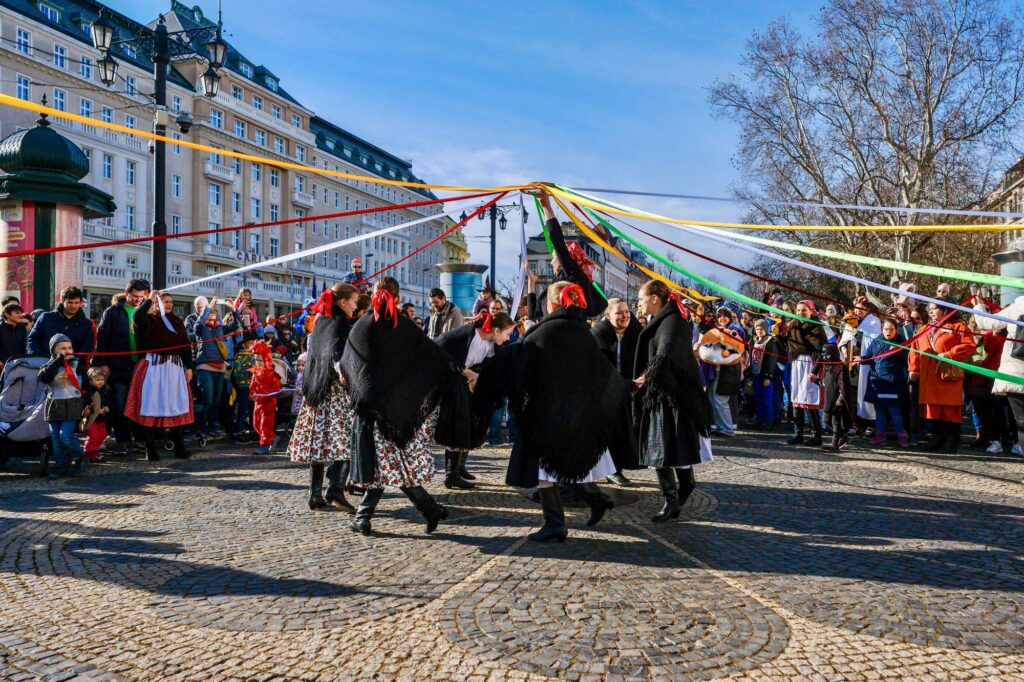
(895, 103)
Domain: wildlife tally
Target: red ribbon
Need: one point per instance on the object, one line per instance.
(674, 296)
(324, 304)
(565, 299)
(72, 377)
(383, 296)
(486, 327)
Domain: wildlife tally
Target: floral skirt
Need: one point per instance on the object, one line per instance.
(324, 433)
(410, 466)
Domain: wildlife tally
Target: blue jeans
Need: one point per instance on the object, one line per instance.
(884, 411)
(494, 432)
(243, 410)
(764, 400)
(211, 386)
(118, 399)
(66, 448)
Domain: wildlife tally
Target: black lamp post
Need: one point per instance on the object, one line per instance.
(162, 47)
(497, 215)
(423, 279)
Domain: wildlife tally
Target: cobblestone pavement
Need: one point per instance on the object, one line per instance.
(786, 564)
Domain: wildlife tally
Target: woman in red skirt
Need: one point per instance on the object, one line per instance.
(159, 397)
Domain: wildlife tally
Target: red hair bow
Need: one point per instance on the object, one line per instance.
(324, 304)
(674, 296)
(581, 259)
(565, 298)
(486, 327)
(383, 296)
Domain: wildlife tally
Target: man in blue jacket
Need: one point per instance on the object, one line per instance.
(68, 319)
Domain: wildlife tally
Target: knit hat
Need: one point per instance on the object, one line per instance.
(57, 338)
(762, 323)
(302, 357)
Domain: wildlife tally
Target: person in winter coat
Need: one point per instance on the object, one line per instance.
(996, 432)
(839, 395)
(805, 341)
(764, 369)
(1011, 359)
(444, 315)
(245, 310)
(263, 390)
(941, 383)
(116, 334)
(68, 319)
(888, 382)
(13, 333)
(63, 407)
(95, 413)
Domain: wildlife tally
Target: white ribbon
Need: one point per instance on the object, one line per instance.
(523, 262)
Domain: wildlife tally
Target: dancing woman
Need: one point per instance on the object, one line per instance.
(323, 429)
(469, 347)
(804, 342)
(570, 405)
(159, 396)
(672, 410)
(396, 377)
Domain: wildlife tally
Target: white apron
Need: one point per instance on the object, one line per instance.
(164, 389)
(805, 392)
(604, 468)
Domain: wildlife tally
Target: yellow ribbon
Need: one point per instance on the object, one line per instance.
(622, 210)
(86, 120)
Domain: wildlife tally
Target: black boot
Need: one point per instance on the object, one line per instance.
(452, 464)
(433, 512)
(316, 484)
(952, 439)
(937, 439)
(337, 472)
(598, 501)
(669, 489)
(554, 516)
(463, 473)
(816, 428)
(367, 505)
(687, 484)
(152, 454)
(798, 432)
(178, 438)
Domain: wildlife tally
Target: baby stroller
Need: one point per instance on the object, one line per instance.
(24, 432)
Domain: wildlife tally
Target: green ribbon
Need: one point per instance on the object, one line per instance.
(943, 273)
(543, 225)
(992, 374)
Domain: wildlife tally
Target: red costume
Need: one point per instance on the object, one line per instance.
(263, 390)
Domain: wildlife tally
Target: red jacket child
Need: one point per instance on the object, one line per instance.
(263, 390)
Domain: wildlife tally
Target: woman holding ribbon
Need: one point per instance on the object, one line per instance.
(804, 341)
(396, 377)
(672, 410)
(159, 396)
(570, 406)
(469, 346)
(323, 430)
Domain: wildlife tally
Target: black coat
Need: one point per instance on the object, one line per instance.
(326, 346)
(13, 341)
(113, 337)
(571, 272)
(79, 329)
(671, 411)
(453, 427)
(570, 403)
(456, 343)
(607, 342)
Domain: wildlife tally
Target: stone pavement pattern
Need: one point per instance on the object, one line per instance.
(786, 564)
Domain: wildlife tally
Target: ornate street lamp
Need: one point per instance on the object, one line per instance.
(108, 69)
(102, 33)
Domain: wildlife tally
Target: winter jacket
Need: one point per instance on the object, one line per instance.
(953, 340)
(13, 340)
(887, 378)
(79, 329)
(63, 399)
(113, 336)
(449, 317)
(207, 349)
(729, 379)
(1007, 363)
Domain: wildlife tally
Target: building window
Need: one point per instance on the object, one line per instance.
(236, 202)
(108, 259)
(176, 186)
(60, 56)
(236, 240)
(176, 104)
(175, 268)
(175, 224)
(272, 83)
(24, 88)
(300, 153)
(129, 51)
(275, 212)
(216, 158)
(337, 200)
(275, 111)
(246, 69)
(129, 121)
(87, 257)
(24, 41)
(261, 137)
(237, 92)
(296, 120)
(129, 85)
(337, 231)
(212, 270)
(255, 208)
(275, 177)
(257, 102)
(59, 99)
(325, 196)
(323, 259)
(108, 167)
(216, 118)
(240, 128)
(255, 242)
(337, 260)
(236, 165)
(132, 262)
(256, 172)
(213, 237)
(214, 190)
(300, 183)
(107, 115)
(129, 172)
(275, 247)
(278, 145)
(51, 13)
(88, 156)
(129, 217)
(177, 147)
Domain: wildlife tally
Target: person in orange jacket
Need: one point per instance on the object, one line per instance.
(263, 389)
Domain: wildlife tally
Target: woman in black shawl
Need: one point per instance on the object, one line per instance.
(569, 264)
(671, 408)
(323, 429)
(469, 347)
(804, 343)
(570, 407)
(396, 377)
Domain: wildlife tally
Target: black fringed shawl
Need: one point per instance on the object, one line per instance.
(153, 336)
(395, 375)
(325, 346)
(567, 398)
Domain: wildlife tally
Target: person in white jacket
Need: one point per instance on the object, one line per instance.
(1010, 362)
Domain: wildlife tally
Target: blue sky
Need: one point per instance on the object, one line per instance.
(599, 94)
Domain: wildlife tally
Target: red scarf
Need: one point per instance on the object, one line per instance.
(72, 377)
